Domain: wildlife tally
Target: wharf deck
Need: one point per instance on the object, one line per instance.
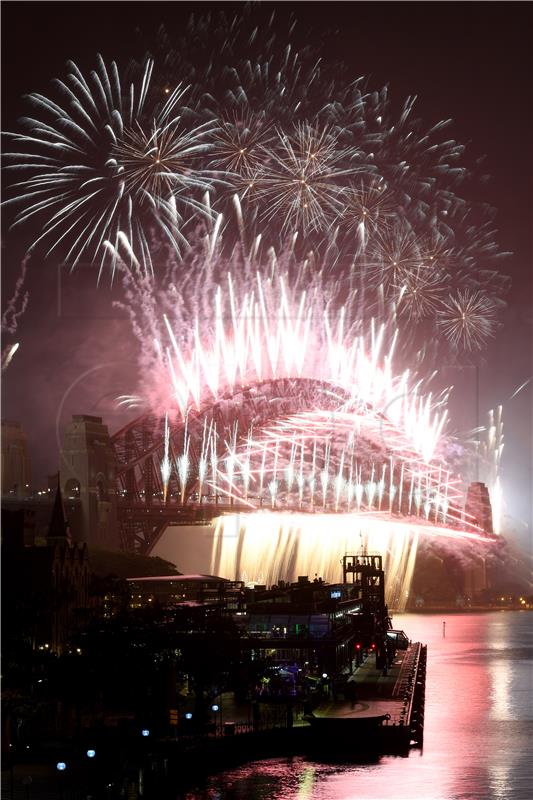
(374, 700)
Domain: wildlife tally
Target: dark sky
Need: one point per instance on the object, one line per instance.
(468, 61)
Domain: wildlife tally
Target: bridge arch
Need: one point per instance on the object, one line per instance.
(145, 508)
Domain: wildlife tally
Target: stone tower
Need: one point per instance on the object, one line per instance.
(88, 476)
(479, 507)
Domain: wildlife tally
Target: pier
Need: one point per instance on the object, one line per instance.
(388, 705)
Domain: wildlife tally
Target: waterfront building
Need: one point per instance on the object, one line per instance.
(173, 590)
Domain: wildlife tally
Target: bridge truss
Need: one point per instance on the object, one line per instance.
(146, 507)
(289, 444)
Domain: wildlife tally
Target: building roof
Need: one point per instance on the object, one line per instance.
(181, 578)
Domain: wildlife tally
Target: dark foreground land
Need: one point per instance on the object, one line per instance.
(373, 713)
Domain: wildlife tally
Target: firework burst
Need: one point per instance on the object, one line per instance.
(467, 319)
(271, 151)
(420, 292)
(239, 142)
(102, 162)
(301, 179)
(394, 255)
(368, 209)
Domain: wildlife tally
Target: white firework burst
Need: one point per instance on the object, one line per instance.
(300, 181)
(103, 163)
(420, 292)
(238, 144)
(367, 209)
(467, 319)
(393, 256)
(159, 162)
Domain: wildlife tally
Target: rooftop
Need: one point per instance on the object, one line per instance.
(181, 578)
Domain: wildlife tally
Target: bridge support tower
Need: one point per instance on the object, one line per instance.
(88, 475)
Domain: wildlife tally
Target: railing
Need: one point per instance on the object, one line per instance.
(405, 685)
(273, 722)
(417, 702)
(410, 690)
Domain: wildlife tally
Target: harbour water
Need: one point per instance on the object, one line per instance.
(478, 727)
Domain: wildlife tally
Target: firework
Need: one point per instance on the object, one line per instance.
(301, 178)
(8, 353)
(238, 145)
(242, 61)
(309, 162)
(393, 256)
(270, 334)
(420, 292)
(166, 465)
(488, 457)
(368, 209)
(101, 162)
(18, 302)
(467, 319)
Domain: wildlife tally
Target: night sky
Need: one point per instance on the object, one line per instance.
(468, 61)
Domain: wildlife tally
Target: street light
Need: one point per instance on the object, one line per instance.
(61, 766)
(91, 753)
(215, 708)
(145, 732)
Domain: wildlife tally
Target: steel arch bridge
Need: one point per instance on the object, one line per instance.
(143, 510)
(287, 418)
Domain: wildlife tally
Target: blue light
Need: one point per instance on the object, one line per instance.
(215, 707)
(188, 715)
(91, 753)
(61, 766)
(145, 732)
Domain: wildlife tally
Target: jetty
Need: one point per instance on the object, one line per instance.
(377, 709)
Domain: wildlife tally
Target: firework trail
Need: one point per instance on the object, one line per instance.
(8, 353)
(16, 307)
(519, 388)
(489, 454)
(18, 302)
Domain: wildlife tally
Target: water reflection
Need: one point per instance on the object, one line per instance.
(479, 720)
(306, 783)
(500, 675)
